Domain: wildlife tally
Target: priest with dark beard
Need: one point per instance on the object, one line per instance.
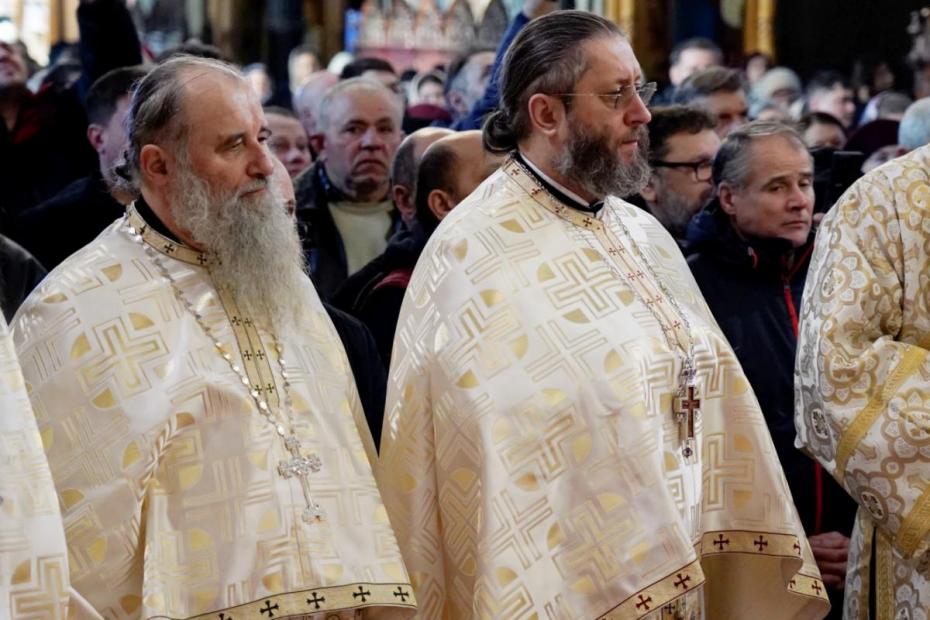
(201, 422)
(567, 432)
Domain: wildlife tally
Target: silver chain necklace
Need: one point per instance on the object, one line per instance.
(298, 465)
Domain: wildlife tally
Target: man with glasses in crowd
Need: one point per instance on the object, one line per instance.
(682, 145)
(567, 432)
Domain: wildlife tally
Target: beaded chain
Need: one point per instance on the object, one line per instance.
(299, 466)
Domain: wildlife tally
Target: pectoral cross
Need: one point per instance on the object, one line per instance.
(301, 467)
(687, 407)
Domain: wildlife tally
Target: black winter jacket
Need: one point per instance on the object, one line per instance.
(754, 291)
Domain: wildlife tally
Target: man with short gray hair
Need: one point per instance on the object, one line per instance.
(205, 434)
(344, 205)
(566, 428)
(750, 253)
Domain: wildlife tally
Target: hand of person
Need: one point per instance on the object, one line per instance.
(831, 550)
(538, 8)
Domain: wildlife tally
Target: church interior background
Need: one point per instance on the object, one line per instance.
(422, 33)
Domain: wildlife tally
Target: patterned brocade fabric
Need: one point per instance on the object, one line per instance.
(863, 380)
(167, 475)
(531, 463)
(33, 558)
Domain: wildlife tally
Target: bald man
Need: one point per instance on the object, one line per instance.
(450, 170)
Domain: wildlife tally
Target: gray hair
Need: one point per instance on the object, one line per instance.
(155, 112)
(914, 130)
(325, 107)
(731, 165)
(548, 56)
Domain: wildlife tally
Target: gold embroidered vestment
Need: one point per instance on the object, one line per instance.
(531, 462)
(168, 477)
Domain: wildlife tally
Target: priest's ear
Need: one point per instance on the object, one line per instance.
(155, 165)
(546, 113)
(440, 203)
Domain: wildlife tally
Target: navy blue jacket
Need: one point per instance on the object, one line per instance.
(754, 291)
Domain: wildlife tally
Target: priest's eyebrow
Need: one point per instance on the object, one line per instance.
(230, 141)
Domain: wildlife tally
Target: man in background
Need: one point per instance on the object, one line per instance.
(288, 141)
(682, 146)
(721, 93)
(830, 92)
(65, 223)
(344, 208)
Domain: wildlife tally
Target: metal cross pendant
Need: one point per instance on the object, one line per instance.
(301, 467)
(686, 407)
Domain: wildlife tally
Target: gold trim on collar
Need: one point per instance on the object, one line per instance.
(537, 192)
(162, 244)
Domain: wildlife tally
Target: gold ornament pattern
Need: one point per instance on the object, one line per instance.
(863, 378)
(531, 461)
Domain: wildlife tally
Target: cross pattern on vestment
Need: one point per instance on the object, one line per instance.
(644, 602)
(247, 356)
(401, 594)
(362, 593)
(260, 355)
(316, 600)
(761, 543)
(301, 467)
(797, 548)
(816, 588)
(169, 248)
(202, 259)
(688, 406)
(223, 616)
(721, 542)
(269, 609)
(682, 581)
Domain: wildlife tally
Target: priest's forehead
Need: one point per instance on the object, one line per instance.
(610, 62)
(216, 102)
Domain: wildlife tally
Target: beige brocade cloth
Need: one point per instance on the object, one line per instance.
(530, 461)
(863, 380)
(168, 476)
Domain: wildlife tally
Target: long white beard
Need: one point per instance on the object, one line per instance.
(259, 259)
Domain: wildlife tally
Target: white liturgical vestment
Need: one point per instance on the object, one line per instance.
(179, 499)
(532, 463)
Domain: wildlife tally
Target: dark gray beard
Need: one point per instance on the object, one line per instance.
(675, 213)
(590, 161)
(260, 260)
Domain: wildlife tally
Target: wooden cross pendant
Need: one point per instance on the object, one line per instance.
(301, 467)
(685, 409)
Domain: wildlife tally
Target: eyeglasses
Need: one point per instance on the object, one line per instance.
(703, 170)
(621, 96)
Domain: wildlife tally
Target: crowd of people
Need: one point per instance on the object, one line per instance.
(526, 335)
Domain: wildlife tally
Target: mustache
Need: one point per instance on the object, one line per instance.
(252, 186)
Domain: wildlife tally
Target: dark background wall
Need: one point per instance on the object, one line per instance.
(811, 34)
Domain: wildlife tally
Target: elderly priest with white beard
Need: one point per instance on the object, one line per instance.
(202, 425)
